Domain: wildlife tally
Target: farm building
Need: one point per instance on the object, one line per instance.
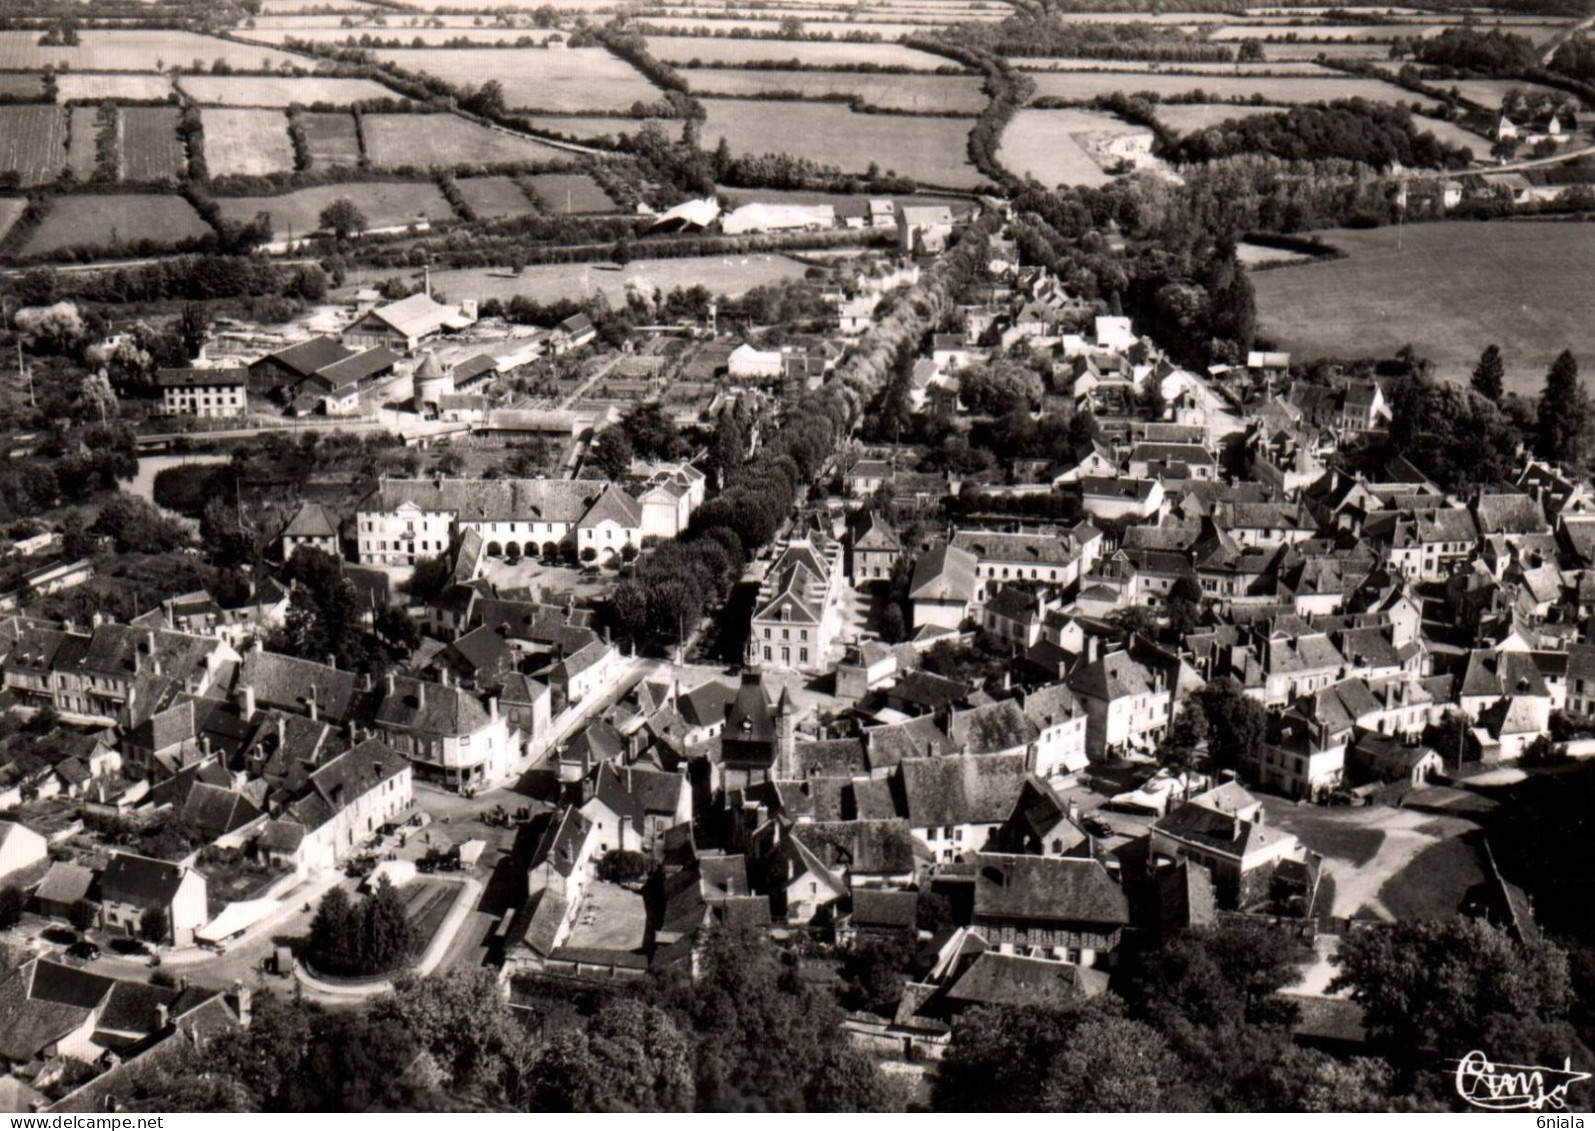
(924, 230)
(779, 218)
(288, 367)
(203, 392)
(574, 332)
(688, 216)
(748, 362)
(405, 324)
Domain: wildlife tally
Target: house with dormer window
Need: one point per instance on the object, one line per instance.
(791, 628)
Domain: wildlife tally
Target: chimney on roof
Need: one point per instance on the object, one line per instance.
(420, 693)
(96, 620)
(163, 1017)
(246, 700)
(313, 706)
(245, 996)
(368, 682)
(388, 679)
(149, 641)
(282, 730)
(492, 707)
(257, 645)
(332, 661)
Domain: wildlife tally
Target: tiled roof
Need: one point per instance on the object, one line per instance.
(1050, 889)
(963, 789)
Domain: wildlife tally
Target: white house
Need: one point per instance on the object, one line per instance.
(203, 392)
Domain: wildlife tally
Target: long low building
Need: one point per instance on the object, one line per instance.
(406, 520)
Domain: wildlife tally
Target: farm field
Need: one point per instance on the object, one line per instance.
(1048, 145)
(280, 7)
(430, 36)
(1378, 33)
(81, 141)
(652, 24)
(135, 49)
(1453, 134)
(1132, 67)
(280, 92)
(32, 142)
(247, 143)
(945, 94)
(583, 128)
(588, 78)
(570, 194)
(385, 205)
(78, 221)
(1490, 92)
(22, 86)
(493, 198)
(1442, 290)
(118, 87)
(807, 52)
(151, 149)
(728, 275)
(844, 203)
(397, 140)
(1082, 86)
(11, 210)
(1188, 117)
(1286, 51)
(932, 151)
(334, 139)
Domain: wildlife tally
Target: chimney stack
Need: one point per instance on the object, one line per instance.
(492, 708)
(420, 693)
(314, 707)
(389, 681)
(246, 700)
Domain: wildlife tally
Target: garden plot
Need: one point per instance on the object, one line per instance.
(248, 143)
(563, 82)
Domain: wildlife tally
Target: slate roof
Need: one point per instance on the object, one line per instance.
(140, 880)
(361, 367)
(310, 356)
(946, 573)
(1001, 979)
(311, 520)
(887, 910)
(705, 705)
(65, 883)
(286, 682)
(430, 708)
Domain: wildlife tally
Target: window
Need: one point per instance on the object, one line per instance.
(803, 655)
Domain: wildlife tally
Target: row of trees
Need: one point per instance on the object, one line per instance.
(747, 1034)
(676, 583)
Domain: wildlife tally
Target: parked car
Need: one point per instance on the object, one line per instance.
(1096, 826)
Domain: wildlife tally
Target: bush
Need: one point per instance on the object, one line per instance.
(12, 903)
(622, 865)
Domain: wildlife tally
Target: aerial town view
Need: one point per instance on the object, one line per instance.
(635, 556)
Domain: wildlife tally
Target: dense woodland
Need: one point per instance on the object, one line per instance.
(1369, 133)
